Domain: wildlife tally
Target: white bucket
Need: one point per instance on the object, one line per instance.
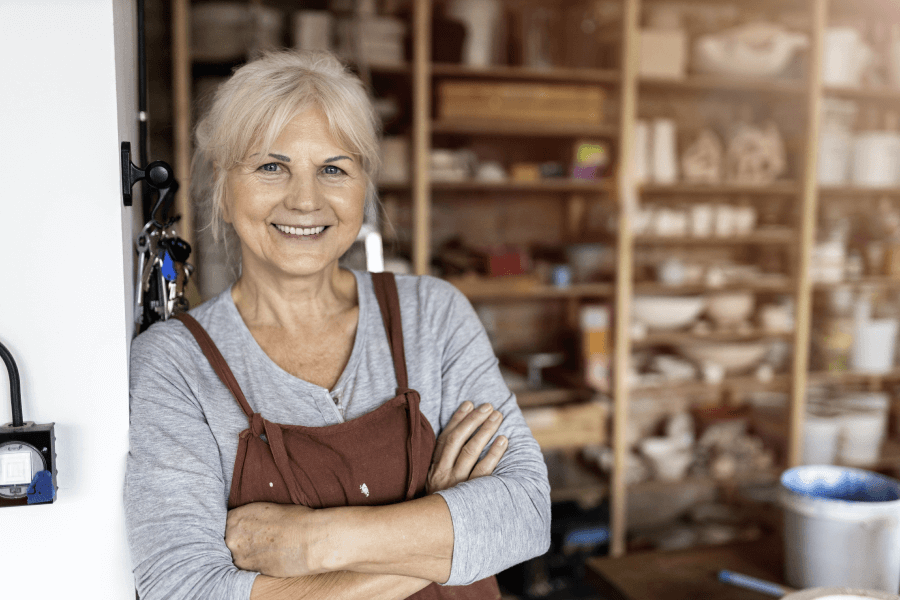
(841, 528)
(874, 343)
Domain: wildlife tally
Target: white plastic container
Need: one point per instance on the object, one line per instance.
(874, 345)
(841, 528)
(876, 159)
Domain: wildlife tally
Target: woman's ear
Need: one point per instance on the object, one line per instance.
(223, 201)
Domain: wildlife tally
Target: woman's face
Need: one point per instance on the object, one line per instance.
(299, 208)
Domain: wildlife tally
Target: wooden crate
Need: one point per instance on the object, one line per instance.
(521, 102)
(569, 426)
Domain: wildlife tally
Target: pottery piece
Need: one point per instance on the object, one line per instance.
(846, 56)
(664, 151)
(734, 357)
(669, 459)
(755, 155)
(481, 19)
(876, 159)
(752, 50)
(730, 308)
(667, 312)
(702, 220)
(702, 160)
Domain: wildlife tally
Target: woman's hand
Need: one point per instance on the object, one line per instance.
(460, 444)
(272, 539)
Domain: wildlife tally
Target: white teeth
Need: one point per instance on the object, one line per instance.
(301, 230)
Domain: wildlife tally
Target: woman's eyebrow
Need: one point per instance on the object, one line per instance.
(280, 157)
(334, 158)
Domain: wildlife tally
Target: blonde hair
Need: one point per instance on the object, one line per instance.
(256, 103)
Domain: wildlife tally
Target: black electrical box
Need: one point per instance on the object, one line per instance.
(27, 452)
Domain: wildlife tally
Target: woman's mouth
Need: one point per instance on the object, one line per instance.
(308, 233)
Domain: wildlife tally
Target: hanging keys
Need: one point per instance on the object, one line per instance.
(164, 274)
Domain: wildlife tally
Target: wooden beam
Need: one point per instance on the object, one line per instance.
(807, 235)
(421, 146)
(628, 200)
(181, 84)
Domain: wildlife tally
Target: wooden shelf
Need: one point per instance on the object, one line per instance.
(777, 188)
(851, 377)
(714, 84)
(544, 292)
(861, 282)
(549, 396)
(603, 186)
(555, 75)
(691, 388)
(889, 95)
(762, 237)
(517, 129)
(773, 285)
(676, 338)
(551, 186)
(852, 191)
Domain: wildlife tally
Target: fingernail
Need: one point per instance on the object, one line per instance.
(485, 408)
(501, 441)
(494, 417)
(466, 406)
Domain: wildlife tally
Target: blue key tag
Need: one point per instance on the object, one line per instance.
(168, 267)
(41, 488)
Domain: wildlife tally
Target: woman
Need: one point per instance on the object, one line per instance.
(283, 434)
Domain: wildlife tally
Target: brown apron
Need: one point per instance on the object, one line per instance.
(379, 458)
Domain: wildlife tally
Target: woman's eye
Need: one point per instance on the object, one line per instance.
(333, 170)
(270, 167)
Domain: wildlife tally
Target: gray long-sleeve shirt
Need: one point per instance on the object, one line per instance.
(185, 425)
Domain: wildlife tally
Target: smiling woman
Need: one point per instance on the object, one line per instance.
(312, 432)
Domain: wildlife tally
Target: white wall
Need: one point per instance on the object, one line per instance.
(67, 98)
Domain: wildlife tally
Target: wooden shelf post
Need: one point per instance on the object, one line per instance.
(628, 199)
(809, 214)
(421, 192)
(181, 82)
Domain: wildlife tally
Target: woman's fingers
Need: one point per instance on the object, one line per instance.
(472, 449)
(487, 464)
(458, 436)
(464, 409)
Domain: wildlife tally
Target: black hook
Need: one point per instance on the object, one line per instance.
(15, 388)
(166, 198)
(158, 175)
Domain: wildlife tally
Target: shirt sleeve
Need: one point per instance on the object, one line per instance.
(175, 501)
(503, 519)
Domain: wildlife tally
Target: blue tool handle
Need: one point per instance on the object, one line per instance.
(752, 583)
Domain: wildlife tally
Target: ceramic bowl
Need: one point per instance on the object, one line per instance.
(734, 357)
(729, 309)
(667, 312)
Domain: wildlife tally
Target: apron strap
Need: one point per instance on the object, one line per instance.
(216, 360)
(389, 302)
(276, 444)
(413, 442)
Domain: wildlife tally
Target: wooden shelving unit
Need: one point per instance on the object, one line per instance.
(515, 129)
(762, 237)
(778, 188)
(624, 87)
(709, 84)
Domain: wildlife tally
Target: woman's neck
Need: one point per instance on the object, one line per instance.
(269, 301)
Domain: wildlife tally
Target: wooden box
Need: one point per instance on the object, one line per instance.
(569, 426)
(521, 102)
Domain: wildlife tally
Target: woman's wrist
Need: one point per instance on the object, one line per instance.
(412, 538)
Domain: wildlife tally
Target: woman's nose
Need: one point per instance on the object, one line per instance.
(304, 195)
